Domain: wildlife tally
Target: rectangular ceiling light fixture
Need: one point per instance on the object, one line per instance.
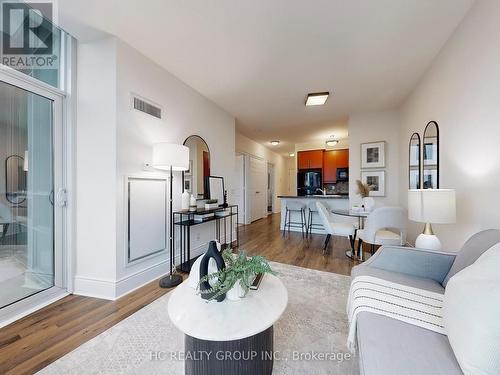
(317, 98)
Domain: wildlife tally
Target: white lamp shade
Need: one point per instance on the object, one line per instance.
(166, 155)
(434, 206)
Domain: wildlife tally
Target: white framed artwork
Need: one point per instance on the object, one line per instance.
(376, 181)
(373, 155)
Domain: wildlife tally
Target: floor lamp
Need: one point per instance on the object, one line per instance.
(171, 157)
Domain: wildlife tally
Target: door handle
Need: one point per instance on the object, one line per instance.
(257, 192)
(62, 198)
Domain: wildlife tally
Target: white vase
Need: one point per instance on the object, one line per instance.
(236, 293)
(185, 200)
(369, 203)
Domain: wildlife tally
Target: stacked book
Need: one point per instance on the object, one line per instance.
(203, 217)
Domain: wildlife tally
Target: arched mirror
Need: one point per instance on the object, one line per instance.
(199, 166)
(414, 162)
(431, 156)
(15, 179)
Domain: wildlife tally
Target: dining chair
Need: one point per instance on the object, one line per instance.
(384, 226)
(333, 228)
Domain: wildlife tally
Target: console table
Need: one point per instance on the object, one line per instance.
(184, 220)
(238, 334)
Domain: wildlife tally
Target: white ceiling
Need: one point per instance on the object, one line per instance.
(258, 59)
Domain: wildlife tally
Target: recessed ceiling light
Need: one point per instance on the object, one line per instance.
(317, 98)
(332, 142)
(275, 143)
(291, 154)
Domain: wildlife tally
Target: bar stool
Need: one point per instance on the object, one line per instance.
(310, 224)
(302, 224)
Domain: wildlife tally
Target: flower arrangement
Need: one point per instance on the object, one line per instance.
(363, 189)
(239, 268)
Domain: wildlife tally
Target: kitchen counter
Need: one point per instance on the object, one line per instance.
(331, 202)
(331, 196)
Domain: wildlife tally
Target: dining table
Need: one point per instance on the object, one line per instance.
(361, 215)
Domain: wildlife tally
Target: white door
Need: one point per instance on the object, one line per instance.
(258, 188)
(239, 187)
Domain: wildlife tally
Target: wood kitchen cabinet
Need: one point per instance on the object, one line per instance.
(332, 160)
(310, 159)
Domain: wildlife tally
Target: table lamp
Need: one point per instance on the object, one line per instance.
(431, 206)
(170, 157)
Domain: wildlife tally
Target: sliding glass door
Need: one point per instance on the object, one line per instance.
(29, 182)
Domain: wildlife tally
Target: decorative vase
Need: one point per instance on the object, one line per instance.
(192, 203)
(185, 201)
(224, 204)
(236, 293)
(368, 203)
(194, 274)
(212, 253)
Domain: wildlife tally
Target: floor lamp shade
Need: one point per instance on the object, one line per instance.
(170, 155)
(436, 206)
(431, 206)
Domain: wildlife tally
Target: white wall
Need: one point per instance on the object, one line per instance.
(461, 91)
(245, 145)
(95, 263)
(115, 141)
(373, 127)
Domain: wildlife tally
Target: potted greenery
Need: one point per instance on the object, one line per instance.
(237, 277)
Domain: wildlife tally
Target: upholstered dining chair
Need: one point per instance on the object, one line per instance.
(384, 226)
(334, 228)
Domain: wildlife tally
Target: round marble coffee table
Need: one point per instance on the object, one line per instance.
(229, 337)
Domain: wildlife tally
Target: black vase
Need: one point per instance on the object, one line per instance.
(214, 253)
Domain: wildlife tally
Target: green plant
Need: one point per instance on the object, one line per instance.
(239, 268)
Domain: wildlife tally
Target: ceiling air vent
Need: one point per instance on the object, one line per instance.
(142, 105)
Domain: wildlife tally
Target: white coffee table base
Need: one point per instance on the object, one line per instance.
(251, 355)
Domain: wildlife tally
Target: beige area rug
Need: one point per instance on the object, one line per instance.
(314, 322)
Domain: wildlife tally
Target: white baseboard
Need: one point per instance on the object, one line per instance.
(140, 278)
(93, 287)
(111, 290)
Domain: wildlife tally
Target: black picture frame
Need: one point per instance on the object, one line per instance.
(212, 194)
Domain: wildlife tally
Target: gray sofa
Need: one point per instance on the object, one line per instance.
(388, 346)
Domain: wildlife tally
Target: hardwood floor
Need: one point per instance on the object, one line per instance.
(263, 237)
(35, 341)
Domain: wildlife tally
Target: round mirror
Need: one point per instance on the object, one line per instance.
(15, 179)
(414, 162)
(195, 178)
(431, 156)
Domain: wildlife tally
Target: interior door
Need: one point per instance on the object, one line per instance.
(239, 187)
(258, 188)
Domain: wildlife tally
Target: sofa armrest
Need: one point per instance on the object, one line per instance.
(430, 264)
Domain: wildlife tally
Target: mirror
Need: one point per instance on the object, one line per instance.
(193, 180)
(15, 179)
(414, 162)
(431, 156)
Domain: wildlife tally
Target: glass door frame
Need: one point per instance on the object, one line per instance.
(62, 178)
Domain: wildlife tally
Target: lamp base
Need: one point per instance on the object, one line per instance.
(170, 281)
(428, 241)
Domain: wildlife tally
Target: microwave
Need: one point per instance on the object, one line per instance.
(342, 174)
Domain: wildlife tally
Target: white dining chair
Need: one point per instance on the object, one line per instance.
(384, 226)
(333, 228)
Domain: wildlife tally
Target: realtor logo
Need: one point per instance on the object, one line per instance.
(27, 35)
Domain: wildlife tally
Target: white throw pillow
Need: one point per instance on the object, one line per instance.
(471, 314)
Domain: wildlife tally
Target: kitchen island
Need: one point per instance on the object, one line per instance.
(332, 202)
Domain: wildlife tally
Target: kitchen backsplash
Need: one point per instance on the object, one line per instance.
(338, 188)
